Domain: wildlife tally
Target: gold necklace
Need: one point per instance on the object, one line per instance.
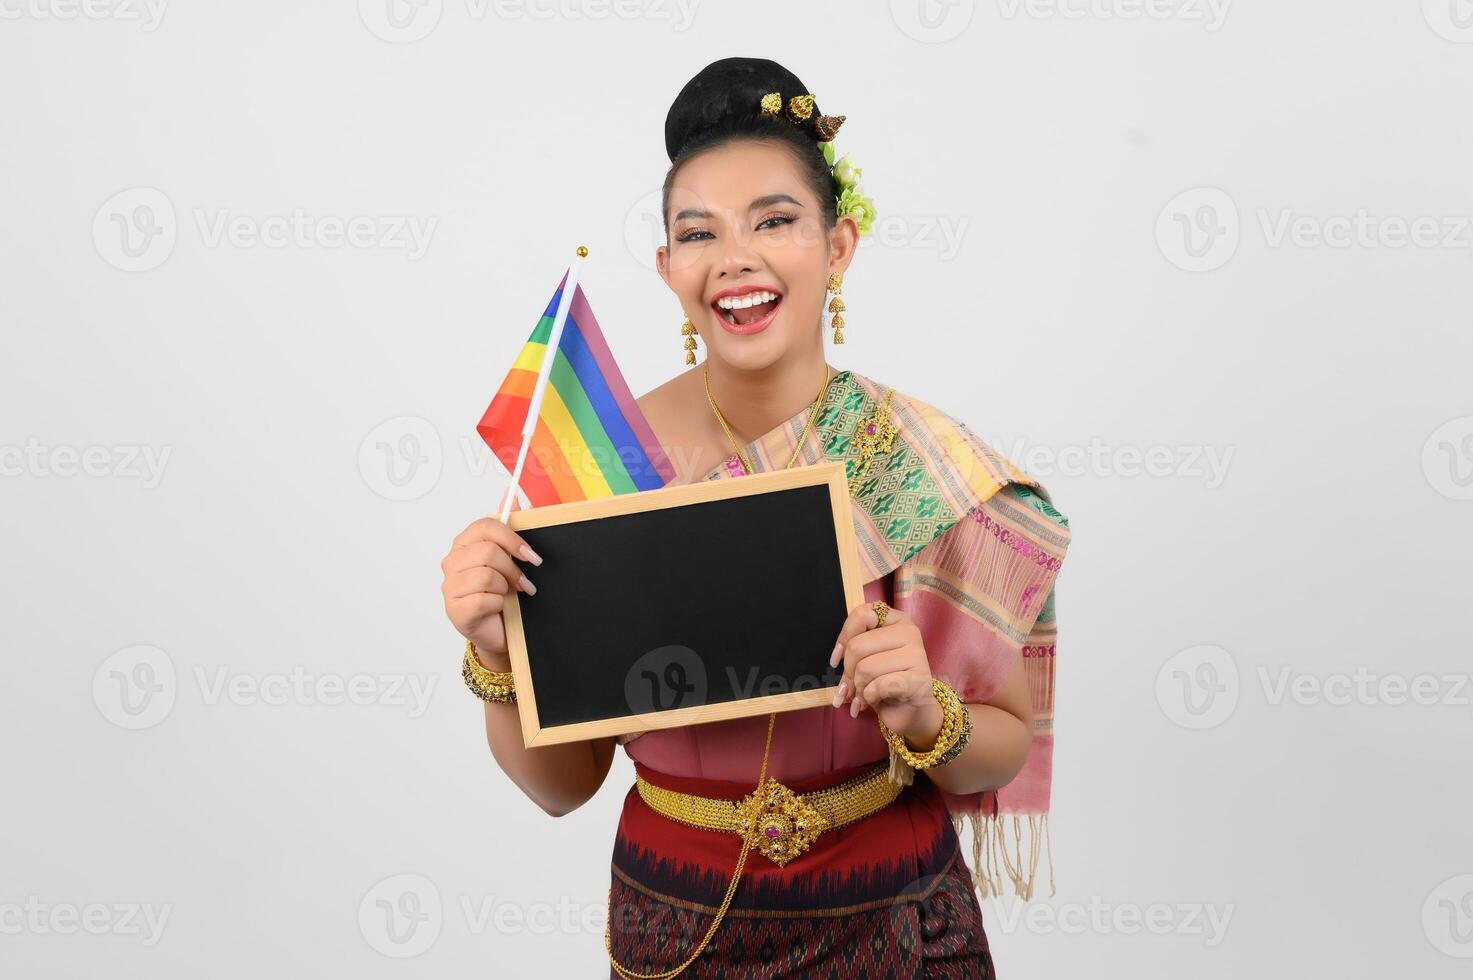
(736, 875)
(746, 465)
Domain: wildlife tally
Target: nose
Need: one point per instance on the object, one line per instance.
(737, 259)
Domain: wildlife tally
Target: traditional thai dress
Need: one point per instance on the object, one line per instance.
(969, 547)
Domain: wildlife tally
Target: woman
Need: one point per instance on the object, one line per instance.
(947, 667)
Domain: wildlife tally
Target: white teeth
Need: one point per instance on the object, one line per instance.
(745, 300)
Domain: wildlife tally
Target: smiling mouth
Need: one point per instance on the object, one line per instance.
(742, 316)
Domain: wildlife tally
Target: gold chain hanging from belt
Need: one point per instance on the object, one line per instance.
(736, 876)
(747, 832)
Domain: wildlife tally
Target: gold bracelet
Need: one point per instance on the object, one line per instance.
(488, 685)
(954, 720)
(962, 739)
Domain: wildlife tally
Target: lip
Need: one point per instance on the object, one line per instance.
(756, 326)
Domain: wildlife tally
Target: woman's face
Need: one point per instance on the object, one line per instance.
(744, 227)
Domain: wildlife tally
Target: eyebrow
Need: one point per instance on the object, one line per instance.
(760, 202)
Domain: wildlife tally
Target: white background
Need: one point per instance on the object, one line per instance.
(1106, 228)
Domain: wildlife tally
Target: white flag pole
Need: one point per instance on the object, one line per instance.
(565, 300)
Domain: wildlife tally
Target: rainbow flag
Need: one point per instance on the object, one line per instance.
(591, 439)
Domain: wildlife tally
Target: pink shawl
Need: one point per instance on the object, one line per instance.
(969, 547)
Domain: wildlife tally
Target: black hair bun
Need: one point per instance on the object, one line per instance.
(731, 87)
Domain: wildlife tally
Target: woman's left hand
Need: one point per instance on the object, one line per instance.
(885, 668)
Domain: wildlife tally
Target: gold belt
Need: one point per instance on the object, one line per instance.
(778, 822)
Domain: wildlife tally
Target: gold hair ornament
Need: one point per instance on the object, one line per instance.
(850, 200)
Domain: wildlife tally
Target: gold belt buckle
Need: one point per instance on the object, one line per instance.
(778, 822)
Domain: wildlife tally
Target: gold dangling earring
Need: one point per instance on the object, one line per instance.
(688, 331)
(836, 307)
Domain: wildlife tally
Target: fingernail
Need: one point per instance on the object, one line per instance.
(854, 708)
(531, 555)
(834, 657)
(839, 694)
(527, 586)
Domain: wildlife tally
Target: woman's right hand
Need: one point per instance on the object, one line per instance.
(479, 572)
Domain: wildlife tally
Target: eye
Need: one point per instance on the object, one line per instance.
(771, 221)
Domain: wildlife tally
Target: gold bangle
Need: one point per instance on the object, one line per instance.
(488, 685)
(954, 719)
(962, 739)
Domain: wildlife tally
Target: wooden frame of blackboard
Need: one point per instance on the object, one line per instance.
(830, 475)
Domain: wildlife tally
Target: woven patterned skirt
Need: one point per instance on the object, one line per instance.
(887, 896)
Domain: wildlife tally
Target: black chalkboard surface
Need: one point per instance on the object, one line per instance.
(684, 605)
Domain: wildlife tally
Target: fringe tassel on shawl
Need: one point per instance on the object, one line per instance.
(901, 772)
(990, 852)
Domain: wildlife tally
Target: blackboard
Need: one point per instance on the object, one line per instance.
(683, 605)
